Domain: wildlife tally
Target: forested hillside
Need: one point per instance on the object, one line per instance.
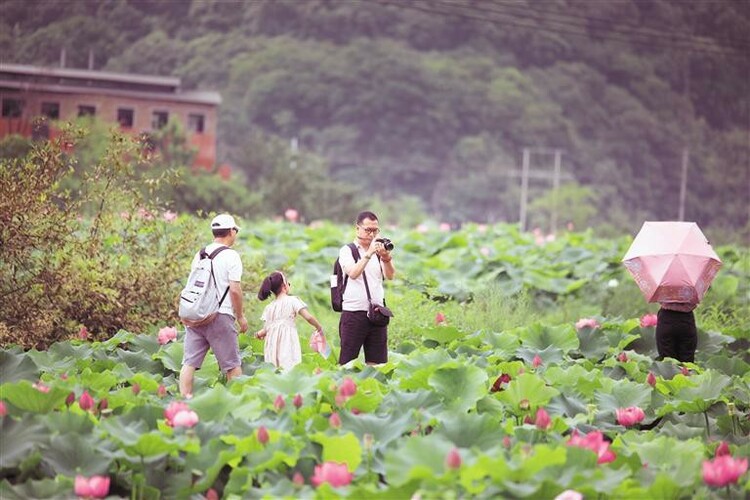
(438, 98)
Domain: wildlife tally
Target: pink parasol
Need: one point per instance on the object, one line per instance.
(672, 262)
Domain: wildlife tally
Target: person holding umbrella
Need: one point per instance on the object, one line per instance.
(676, 333)
(673, 264)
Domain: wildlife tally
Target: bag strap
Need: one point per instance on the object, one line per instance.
(355, 255)
(211, 258)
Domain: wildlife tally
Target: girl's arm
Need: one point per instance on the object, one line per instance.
(261, 334)
(311, 319)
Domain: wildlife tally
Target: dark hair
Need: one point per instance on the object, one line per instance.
(272, 283)
(366, 215)
(221, 233)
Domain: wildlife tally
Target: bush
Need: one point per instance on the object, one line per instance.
(100, 257)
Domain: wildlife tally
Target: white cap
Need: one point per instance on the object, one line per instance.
(224, 221)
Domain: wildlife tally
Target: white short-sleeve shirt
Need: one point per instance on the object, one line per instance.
(355, 295)
(227, 267)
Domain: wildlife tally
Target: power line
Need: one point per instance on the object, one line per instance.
(434, 8)
(622, 24)
(577, 29)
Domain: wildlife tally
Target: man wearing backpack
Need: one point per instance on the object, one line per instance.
(355, 329)
(218, 332)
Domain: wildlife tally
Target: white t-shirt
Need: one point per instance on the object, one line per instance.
(355, 295)
(227, 267)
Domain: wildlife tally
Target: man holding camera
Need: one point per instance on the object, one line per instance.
(356, 330)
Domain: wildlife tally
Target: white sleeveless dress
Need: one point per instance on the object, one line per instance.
(282, 346)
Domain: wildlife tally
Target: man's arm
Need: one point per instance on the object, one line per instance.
(235, 295)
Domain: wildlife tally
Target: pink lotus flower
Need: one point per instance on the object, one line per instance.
(422, 228)
(41, 387)
(334, 420)
(166, 335)
(569, 495)
(161, 391)
(211, 494)
(263, 436)
(83, 333)
(103, 404)
(497, 386)
(279, 404)
(297, 401)
(145, 214)
(185, 418)
(298, 479)
(173, 409)
(537, 361)
(622, 357)
(651, 379)
(224, 171)
(485, 251)
(723, 470)
(92, 487)
(86, 402)
(70, 399)
(333, 473)
(444, 227)
(595, 442)
(587, 323)
(506, 441)
(542, 421)
(453, 459)
(291, 215)
(685, 371)
(3, 409)
(629, 416)
(348, 388)
(722, 449)
(136, 388)
(648, 320)
(169, 216)
(440, 319)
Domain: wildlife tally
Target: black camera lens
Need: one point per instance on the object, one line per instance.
(387, 244)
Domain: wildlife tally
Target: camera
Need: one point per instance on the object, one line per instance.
(387, 244)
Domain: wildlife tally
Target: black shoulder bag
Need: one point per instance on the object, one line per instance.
(377, 314)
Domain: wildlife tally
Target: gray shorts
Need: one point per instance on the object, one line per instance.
(220, 336)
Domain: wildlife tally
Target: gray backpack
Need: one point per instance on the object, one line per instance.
(201, 299)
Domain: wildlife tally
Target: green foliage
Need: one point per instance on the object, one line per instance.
(436, 102)
(117, 267)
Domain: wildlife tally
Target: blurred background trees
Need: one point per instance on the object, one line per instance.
(430, 103)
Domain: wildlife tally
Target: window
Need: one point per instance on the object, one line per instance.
(159, 119)
(51, 110)
(195, 123)
(85, 110)
(125, 117)
(12, 108)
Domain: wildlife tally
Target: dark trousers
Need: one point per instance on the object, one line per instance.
(355, 332)
(676, 335)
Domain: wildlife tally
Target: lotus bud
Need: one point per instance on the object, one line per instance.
(279, 403)
(263, 435)
(334, 420)
(86, 402)
(453, 459)
(297, 401)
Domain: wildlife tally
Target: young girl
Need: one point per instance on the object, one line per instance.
(280, 332)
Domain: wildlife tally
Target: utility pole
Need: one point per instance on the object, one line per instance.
(526, 173)
(555, 188)
(683, 183)
(524, 188)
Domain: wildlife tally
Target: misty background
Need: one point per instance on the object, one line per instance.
(431, 108)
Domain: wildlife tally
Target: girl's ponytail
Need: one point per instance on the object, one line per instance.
(272, 283)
